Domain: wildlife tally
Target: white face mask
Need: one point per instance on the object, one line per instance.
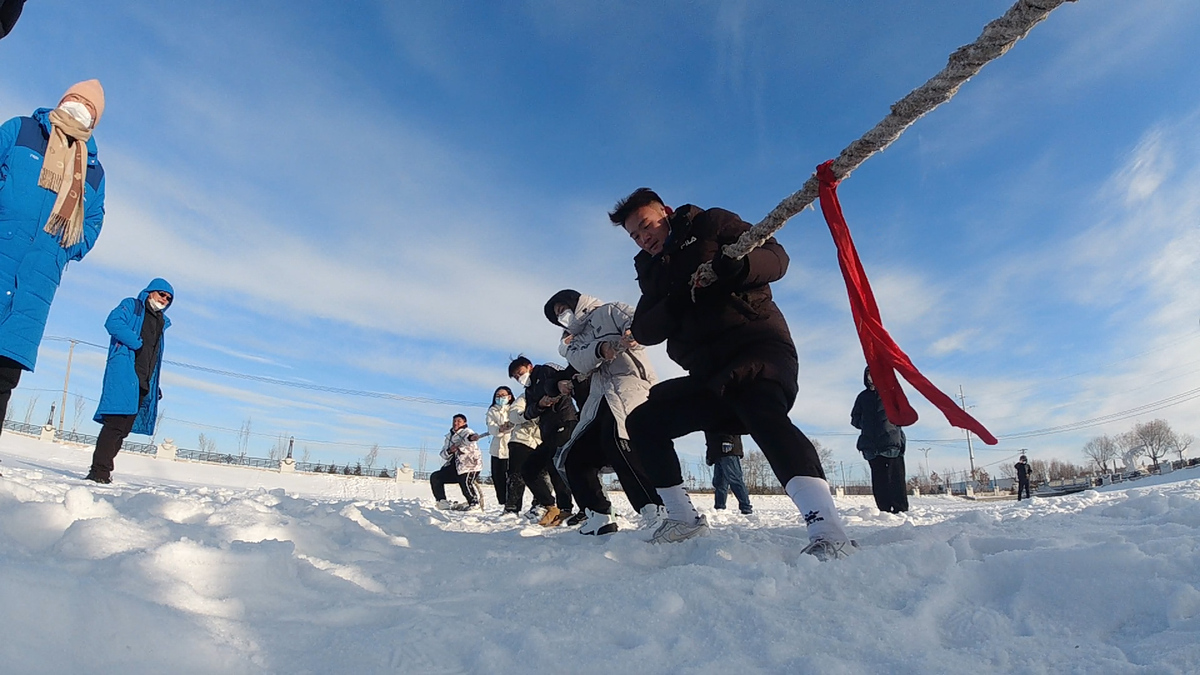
(565, 318)
(77, 110)
(156, 305)
(523, 378)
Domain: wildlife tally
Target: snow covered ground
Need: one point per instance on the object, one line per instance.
(189, 568)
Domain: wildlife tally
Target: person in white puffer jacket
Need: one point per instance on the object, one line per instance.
(524, 437)
(621, 377)
(500, 432)
(463, 463)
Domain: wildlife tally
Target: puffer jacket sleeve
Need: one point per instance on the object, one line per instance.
(766, 264)
(856, 415)
(446, 447)
(608, 322)
(120, 324)
(658, 316)
(8, 135)
(516, 411)
(495, 417)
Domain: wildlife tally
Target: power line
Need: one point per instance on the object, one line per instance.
(292, 383)
(214, 427)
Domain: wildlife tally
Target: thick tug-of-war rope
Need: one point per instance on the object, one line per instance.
(997, 38)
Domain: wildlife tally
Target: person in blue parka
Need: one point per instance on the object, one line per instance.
(129, 402)
(51, 210)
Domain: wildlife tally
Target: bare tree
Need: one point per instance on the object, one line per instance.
(1130, 449)
(304, 454)
(243, 437)
(826, 455)
(755, 470)
(1156, 439)
(1182, 441)
(162, 413)
(1102, 450)
(30, 407)
(279, 450)
(206, 444)
(79, 403)
(372, 456)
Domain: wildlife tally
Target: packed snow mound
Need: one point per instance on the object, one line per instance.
(158, 574)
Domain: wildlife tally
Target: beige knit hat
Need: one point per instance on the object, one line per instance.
(92, 92)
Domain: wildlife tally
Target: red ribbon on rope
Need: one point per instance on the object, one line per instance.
(884, 356)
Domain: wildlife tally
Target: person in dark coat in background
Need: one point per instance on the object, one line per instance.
(882, 445)
(724, 454)
(10, 11)
(741, 361)
(51, 212)
(556, 415)
(129, 402)
(1023, 472)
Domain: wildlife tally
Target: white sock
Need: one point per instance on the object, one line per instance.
(811, 496)
(678, 503)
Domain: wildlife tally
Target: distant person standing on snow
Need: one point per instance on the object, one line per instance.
(1023, 472)
(524, 437)
(500, 431)
(10, 11)
(724, 454)
(463, 464)
(129, 402)
(51, 210)
(882, 445)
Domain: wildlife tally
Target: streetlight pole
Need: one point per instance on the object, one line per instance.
(62, 412)
(970, 450)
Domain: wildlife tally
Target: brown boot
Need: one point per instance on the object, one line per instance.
(551, 517)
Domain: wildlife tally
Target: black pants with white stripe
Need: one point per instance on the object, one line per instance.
(685, 404)
(467, 482)
(600, 446)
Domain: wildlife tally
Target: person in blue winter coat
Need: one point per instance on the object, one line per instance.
(51, 210)
(129, 402)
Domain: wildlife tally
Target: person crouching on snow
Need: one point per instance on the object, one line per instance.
(463, 463)
(129, 402)
(621, 377)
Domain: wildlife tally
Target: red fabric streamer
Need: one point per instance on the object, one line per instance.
(884, 356)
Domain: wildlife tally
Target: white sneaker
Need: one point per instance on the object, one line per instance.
(673, 531)
(823, 549)
(651, 515)
(445, 504)
(535, 513)
(598, 523)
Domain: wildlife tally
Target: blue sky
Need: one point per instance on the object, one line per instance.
(382, 198)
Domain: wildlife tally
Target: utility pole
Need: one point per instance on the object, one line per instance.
(970, 450)
(62, 412)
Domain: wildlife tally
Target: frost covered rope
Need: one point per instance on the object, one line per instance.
(997, 38)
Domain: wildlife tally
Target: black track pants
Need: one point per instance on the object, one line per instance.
(681, 406)
(540, 477)
(600, 446)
